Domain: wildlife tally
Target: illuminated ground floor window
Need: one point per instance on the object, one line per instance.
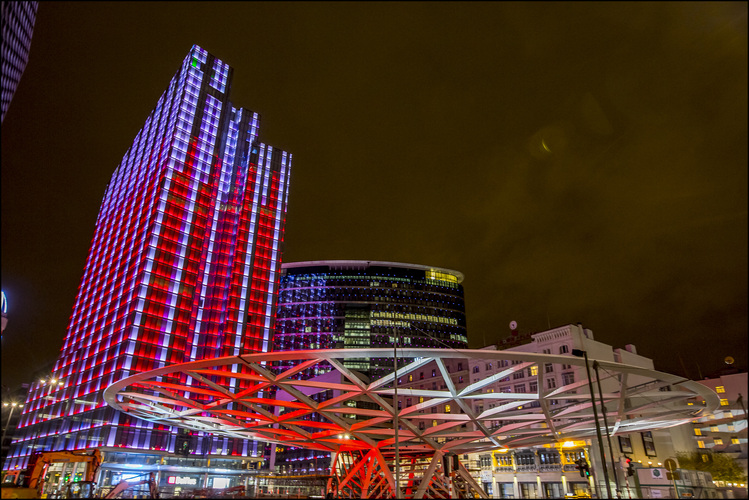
(553, 490)
(528, 490)
(505, 490)
(579, 489)
(488, 487)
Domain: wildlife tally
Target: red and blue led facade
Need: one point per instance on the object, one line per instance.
(17, 30)
(184, 265)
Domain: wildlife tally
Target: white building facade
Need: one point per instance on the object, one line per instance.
(550, 471)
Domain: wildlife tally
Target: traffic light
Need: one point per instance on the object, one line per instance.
(450, 463)
(630, 467)
(582, 466)
(446, 463)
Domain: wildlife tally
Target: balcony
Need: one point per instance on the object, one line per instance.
(550, 468)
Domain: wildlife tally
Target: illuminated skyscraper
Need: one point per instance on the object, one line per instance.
(4, 310)
(18, 25)
(184, 265)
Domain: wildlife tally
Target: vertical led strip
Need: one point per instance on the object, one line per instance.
(280, 219)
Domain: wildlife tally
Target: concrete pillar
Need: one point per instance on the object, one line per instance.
(537, 462)
(541, 492)
(564, 483)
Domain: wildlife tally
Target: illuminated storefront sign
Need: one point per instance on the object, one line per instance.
(182, 480)
(221, 482)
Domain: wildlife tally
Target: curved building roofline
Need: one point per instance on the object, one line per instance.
(364, 264)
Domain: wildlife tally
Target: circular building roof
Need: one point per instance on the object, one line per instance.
(361, 265)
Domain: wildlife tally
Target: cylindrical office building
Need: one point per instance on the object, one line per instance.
(355, 303)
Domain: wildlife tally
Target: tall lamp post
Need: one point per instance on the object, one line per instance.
(580, 353)
(395, 414)
(7, 423)
(606, 426)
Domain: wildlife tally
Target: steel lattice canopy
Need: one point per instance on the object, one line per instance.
(251, 397)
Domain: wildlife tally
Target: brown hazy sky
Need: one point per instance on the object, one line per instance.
(578, 162)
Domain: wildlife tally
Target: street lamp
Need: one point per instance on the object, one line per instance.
(48, 384)
(7, 424)
(584, 354)
(52, 382)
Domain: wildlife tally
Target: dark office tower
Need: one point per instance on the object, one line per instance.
(18, 26)
(359, 304)
(184, 265)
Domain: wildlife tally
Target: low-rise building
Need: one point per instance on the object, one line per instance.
(722, 432)
(551, 471)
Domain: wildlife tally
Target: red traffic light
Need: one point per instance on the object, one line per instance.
(630, 466)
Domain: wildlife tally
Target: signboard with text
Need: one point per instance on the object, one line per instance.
(655, 476)
(182, 480)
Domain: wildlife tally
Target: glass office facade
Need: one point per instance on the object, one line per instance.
(184, 265)
(361, 304)
(358, 304)
(18, 20)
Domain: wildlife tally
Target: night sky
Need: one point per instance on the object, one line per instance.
(577, 162)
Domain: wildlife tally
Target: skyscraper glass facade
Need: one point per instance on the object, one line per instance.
(18, 26)
(360, 304)
(355, 304)
(184, 265)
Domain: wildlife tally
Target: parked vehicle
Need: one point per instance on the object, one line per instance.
(29, 483)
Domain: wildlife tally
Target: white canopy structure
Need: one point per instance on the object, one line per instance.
(342, 412)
